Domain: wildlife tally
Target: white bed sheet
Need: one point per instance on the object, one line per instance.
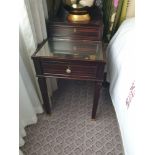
(121, 75)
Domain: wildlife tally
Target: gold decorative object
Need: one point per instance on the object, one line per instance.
(78, 18)
(77, 10)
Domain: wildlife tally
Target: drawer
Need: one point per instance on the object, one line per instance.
(65, 69)
(69, 32)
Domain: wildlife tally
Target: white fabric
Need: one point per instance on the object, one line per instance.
(29, 103)
(121, 75)
(32, 30)
(45, 9)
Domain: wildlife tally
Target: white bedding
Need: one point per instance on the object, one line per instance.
(121, 75)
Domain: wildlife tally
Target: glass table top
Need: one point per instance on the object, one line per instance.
(66, 49)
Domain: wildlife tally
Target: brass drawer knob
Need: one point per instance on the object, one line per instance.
(68, 70)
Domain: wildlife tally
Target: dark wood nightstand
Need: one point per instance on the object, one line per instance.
(72, 51)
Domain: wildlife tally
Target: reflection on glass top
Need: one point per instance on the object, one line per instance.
(65, 49)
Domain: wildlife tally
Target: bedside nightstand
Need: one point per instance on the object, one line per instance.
(72, 51)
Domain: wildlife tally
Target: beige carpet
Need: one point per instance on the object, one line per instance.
(70, 130)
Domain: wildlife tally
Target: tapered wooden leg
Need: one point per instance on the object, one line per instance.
(44, 93)
(96, 98)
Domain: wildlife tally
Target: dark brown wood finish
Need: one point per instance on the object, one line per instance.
(96, 98)
(72, 51)
(44, 92)
(74, 32)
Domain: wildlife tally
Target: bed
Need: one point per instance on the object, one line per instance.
(121, 76)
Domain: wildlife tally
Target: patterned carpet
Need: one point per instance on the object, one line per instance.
(70, 130)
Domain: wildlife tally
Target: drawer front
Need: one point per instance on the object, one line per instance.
(89, 33)
(64, 69)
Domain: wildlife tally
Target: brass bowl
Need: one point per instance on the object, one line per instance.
(77, 12)
(78, 18)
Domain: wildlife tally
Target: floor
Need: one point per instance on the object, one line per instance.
(70, 130)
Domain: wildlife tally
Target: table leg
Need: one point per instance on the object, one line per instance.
(96, 98)
(44, 93)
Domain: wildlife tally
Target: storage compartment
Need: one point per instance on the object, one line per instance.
(69, 69)
(78, 33)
